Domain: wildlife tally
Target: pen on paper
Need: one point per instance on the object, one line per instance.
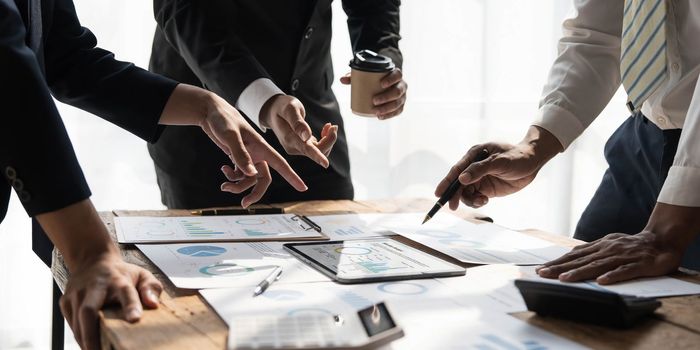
(271, 278)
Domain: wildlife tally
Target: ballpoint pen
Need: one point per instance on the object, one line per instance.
(272, 277)
(452, 189)
(237, 211)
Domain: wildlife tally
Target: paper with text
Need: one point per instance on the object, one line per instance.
(276, 227)
(221, 265)
(483, 243)
(432, 315)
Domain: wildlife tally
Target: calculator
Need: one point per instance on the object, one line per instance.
(367, 329)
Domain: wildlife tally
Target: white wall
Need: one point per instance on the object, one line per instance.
(475, 69)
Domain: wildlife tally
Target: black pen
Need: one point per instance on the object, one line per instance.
(239, 211)
(452, 189)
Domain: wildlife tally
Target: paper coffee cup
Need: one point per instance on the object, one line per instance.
(368, 69)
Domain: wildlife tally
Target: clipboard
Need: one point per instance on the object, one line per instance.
(223, 228)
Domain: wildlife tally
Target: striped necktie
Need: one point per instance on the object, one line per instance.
(643, 60)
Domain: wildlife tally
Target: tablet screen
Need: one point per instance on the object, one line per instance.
(372, 258)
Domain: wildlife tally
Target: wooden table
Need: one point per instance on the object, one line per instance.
(185, 321)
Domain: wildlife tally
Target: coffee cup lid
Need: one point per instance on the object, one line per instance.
(370, 61)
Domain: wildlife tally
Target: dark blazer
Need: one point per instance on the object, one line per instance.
(224, 45)
(43, 52)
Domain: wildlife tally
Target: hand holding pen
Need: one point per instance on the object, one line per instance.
(504, 169)
(452, 189)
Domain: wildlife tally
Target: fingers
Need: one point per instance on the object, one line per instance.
(69, 309)
(392, 78)
(329, 135)
(577, 252)
(492, 165)
(149, 289)
(390, 102)
(454, 201)
(275, 161)
(130, 301)
(623, 273)
(239, 186)
(233, 175)
(238, 152)
(294, 114)
(555, 271)
(451, 175)
(473, 198)
(594, 268)
(345, 79)
(88, 314)
(389, 109)
(314, 153)
(458, 168)
(263, 180)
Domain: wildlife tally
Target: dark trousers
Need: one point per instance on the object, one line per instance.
(639, 155)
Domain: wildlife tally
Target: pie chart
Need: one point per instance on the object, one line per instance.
(402, 288)
(201, 250)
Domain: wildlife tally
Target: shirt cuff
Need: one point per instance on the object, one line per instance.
(254, 96)
(676, 187)
(560, 122)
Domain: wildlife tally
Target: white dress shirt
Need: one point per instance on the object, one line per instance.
(586, 75)
(254, 97)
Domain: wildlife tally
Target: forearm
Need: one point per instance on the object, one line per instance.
(187, 105)
(677, 226)
(78, 233)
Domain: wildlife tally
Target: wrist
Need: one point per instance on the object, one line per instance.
(267, 110)
(674, 226)
(188, 105)
(542, 144)
(79, 234)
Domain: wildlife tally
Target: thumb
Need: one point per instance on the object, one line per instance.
(477, 170)
(345, 79)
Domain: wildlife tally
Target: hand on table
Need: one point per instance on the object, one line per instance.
(285, 115)
(108, 280)
(390, 102)
(614, 258)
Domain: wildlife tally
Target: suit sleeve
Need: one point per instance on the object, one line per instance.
(36, 156)
(375, 25)
(201, 33)
(90, 78)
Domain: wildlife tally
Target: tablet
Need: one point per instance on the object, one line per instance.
(371, 260)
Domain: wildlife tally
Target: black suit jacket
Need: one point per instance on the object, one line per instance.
(43, 52)
(224, 45)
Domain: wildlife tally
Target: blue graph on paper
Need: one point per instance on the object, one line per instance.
(202, 250)
(377, 267)
(355, 300)
(495, 342)
(258, 233)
